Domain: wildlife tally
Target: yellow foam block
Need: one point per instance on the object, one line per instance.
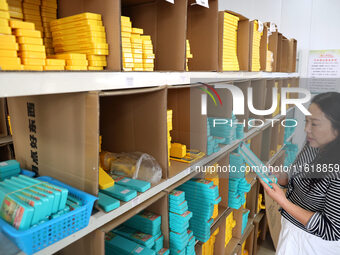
(137, 30)
(149, 70)
(138, 65)
(96, 58)
(138, 60)
(127, 69)
(76, 62)
(97, 63)
(77, 17)
(87, 46)
(90, 23)
(70, 56)
(105, 180)
(8, 53)
(126, 29)
(33, 68)
(5, 30)
(27, 33)
(126, 24)
(86, 40)
(76, 68)
(4, 22)
(95, 68)
(147, 42)
(148, 61)
(9, 61)
(124, 19)
(148, 55)
(145, 37)
(35, 2)
(49, 4)
(15, 8)
(4, 14)
(30, 40)
(94, 52)
(137, 51)
(136, 36)
(78, 30)
(31, 47)
(48, 15)
(82, 36)
(45, 9)
(14, 3)
(11, 67)
(32, 54)
(137, 69)
(128, 65)
(148, 65)
(54, 68)
(137, 46)
(126, 45)
(21, 24)
(47, 19)
(136, 40)
(178, 150)
(138, 55)
(8, 46)
(128, 60)
(127, 50)
(126, 34)
(125, 40)
(55, 62)
(3, 6)
(7, 39)
(33, 61)
(32, 17)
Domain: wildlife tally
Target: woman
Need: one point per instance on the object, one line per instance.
(311, 207)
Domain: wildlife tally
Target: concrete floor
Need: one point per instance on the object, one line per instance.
(266, 247)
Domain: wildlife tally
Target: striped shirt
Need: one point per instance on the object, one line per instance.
(323, 199)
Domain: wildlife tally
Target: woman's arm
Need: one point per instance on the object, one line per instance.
(277, 194)
(282, 178)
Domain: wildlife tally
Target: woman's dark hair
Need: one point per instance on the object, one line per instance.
(329, 104)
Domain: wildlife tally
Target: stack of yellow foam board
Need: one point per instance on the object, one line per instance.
(73, 61)
(230, 61)
(148, 55)
(212, 175)
(126, 30)
(137, 49)
(82, 33)
(277, 111)
(48, 13)
(256, 40)
(169, 125)
(31, 9)
(208, 247)
(8, 46)
(230, 224)
(31, 48)
(15, 9)
(4, 18)
(54, 64)
(188, 55)
(270, 60)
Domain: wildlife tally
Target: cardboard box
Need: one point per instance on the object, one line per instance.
(3, 118)
(94, 243)
(110, 11)
(292, 55)
(166, 24)
(279, 53)
(273, 46)
(285, 52)
(67, 131)
(263, 48)
(259, 97)
(202, 32)
(243, 40)
(189, 125)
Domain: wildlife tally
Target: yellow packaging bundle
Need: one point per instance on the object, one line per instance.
(31, 48)
(15, 9)
(277, 111)
(147, 54)
(188, 54)
(230, 224)
(169, 128)
(54, 64)
(31, 10)
(256, 40)
(137, 49)
(212, 175)
(270, 60)
(208, 247)
(73, 61)
(48, 12)
(230, 61)
(82, 33)
(127, 56)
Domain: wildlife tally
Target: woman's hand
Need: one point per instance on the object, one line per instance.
(282, 177)
(276, 193)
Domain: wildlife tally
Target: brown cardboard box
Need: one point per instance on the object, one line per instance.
(285, 52)
(3, 118)
(166, 24)
(94, 243)
(264, 48)
(110, 11)
(67, 131)
(292, 55)
(259, 97)
(189, 125)
(202, 33)
(279, 53)
(243, 40)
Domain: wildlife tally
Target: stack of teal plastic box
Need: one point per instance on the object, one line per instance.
(8, 169)
(224, 128)
(213, 142)
(289, 129)
(201, 195)
(179, 216)
(291, 151)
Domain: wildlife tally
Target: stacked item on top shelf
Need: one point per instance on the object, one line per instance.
(188, 55)
(54, 64)
(48, 13)
(31, 9)
(201, 195)
(208, 247)
(230, 26)
(256, 40)
(238, 185)
(83, 34)
(73, 61)
(230, 224)
(169, 128)
(137, 49)
(269, 61)
(212, 175)
(182, 240)
(31, 48)
(15, 9)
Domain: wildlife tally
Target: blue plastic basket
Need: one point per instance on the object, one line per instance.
(41, 236)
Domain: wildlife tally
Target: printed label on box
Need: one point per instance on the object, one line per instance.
(125, 191)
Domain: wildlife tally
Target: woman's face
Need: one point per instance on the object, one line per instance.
(319, 128)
